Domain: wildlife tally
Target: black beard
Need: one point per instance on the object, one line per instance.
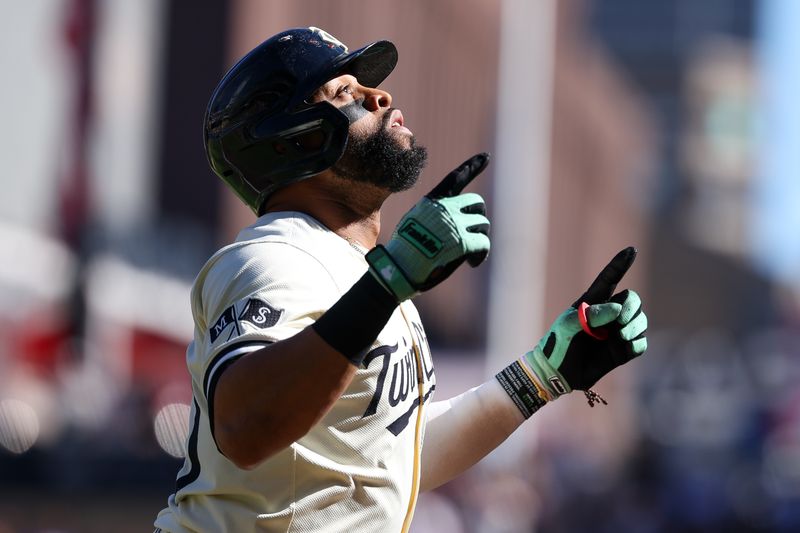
(380, 160)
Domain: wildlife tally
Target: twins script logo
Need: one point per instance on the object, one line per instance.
(401, 374)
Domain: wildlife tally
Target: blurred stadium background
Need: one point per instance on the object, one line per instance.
(670, 124)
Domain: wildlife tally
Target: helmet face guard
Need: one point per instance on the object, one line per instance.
(259, 112)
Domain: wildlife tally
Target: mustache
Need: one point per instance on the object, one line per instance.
(386, 117)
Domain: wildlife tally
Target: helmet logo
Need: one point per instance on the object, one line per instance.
(328, 38)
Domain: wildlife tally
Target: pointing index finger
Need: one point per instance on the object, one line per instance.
(455, 181)
(602, 288)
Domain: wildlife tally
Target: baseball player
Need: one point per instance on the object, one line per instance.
(312, 377)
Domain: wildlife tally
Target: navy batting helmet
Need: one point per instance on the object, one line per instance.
(260, 110)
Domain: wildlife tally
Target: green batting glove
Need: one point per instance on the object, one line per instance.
(569, 357)
(560, 345)
(574, 356)
(435, 236)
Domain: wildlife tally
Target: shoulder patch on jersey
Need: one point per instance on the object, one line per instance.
(260, 314)
(255, 312)
(227, 318)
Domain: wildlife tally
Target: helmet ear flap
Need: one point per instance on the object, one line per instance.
(282, 150)
(280, 147)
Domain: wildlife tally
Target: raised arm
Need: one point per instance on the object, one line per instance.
(599, 332)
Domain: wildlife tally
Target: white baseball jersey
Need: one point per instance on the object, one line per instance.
(356, 470)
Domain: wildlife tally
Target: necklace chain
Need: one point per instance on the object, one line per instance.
(355, 246)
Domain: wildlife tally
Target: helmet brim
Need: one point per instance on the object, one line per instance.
(370, 64)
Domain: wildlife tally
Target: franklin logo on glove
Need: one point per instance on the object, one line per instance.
(418, 235)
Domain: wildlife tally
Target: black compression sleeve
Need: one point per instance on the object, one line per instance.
(352, 324)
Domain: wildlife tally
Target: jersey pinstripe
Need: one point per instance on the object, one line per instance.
(357, 469)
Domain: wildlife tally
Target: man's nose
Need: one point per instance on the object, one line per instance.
(375, 99)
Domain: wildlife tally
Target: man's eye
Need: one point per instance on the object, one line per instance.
(345, 90)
